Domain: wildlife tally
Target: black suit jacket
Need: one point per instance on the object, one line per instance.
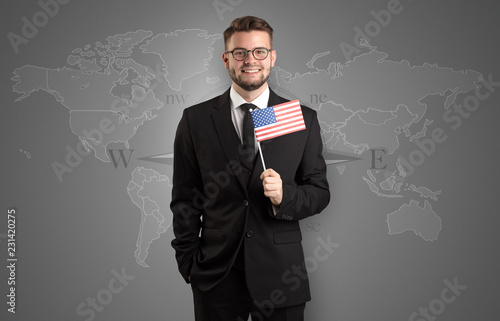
(215, 212)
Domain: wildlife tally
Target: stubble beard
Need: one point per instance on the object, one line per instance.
(247, 85)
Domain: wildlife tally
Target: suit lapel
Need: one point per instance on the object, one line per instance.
(225, 130)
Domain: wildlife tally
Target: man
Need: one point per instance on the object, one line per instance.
(237, 235)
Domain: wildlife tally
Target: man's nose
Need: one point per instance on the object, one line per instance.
(250, 58)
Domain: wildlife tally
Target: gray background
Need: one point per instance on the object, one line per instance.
(72, 234)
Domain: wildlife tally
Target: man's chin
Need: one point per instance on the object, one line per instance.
(251, 86)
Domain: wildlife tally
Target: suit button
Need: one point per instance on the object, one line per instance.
(249, 233)
(245, 202)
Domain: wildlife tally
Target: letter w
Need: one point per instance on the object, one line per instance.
(116, 162)
(182, 98)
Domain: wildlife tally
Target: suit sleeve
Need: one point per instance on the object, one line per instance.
(186, 210)
(310, 194)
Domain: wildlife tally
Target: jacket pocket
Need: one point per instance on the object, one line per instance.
(287, 237)
(212, 234)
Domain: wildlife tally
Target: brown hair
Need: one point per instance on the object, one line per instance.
(248, 23)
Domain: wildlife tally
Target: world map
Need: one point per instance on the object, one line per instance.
(114, 88)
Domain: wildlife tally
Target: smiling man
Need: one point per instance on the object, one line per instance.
(236, 225)
(249, 73)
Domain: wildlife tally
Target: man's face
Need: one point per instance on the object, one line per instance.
(249, 74)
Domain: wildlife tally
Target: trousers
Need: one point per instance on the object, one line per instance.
(230, 300)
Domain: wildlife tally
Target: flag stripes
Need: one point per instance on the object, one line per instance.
(278, 120)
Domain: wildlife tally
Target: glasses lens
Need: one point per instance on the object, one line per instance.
(260, 53)
(240, 54)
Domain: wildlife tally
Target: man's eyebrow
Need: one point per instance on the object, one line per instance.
(236, 48)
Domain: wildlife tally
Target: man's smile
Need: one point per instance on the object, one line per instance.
(250, 71)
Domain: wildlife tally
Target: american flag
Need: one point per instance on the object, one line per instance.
(278, 120)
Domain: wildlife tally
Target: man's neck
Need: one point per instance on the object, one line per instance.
(249, 95)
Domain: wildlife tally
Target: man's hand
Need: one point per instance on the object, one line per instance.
(273, 187)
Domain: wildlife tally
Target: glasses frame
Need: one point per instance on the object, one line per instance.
(247, 51)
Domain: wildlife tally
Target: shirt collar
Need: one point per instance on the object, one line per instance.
(261, 101)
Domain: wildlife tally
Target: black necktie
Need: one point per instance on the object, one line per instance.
(248, 133)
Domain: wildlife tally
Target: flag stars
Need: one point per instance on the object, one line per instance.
(263, 117)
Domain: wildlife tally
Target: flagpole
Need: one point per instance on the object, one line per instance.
(261, 156)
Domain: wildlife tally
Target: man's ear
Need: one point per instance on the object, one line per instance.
(273, 57)
(225, 60)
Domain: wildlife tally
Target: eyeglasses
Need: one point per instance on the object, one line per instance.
(242, 54)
